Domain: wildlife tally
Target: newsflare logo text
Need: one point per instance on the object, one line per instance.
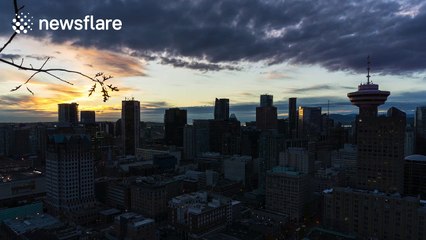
(23, 23)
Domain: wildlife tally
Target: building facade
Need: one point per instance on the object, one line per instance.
(88, 117)
(420, 130)
(68, 113)
(414, 176)
(374, 215)
(175, 120)
(266, 114)
(287, 192)
(70, 182)
(221, 109)
(130, 126)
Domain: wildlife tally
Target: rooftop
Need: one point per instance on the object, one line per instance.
(197, 202)
(156, 181)
(134, 219)
(21, 175)
(286, 170)
(416, 157)
(23, 225)
(109, 212)
(321, 233)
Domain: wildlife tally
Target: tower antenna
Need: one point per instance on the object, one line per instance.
(328, 108)
(368, 70)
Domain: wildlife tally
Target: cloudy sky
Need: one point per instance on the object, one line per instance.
(184, 53)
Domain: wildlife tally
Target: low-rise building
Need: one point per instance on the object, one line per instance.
(195, 214)
(150, 195)
(132, 226)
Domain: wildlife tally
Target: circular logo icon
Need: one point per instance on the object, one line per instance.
(22, 23)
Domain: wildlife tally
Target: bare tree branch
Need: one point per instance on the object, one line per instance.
(17, 9)
(8, 41)
(99, 78)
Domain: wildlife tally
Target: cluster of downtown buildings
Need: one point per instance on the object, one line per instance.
(303, 177)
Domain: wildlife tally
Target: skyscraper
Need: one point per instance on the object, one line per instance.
(414, 176)
(266, 100)
(373, 208)
(420, 130)
(266, 113)
(224, 136)
(287, 192)
(175, 120)
(292, 117)
(380, 140)
(87, 117)
(201, 133)
(68, 113)
(310, 121)
(221, 109)
(189, 142)
(70, 174)
(130, 125)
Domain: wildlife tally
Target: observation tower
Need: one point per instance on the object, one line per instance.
(368, 97)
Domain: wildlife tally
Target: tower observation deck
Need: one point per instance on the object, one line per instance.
(368, 97)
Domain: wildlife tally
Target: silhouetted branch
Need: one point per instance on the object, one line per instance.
(8, 42)
(99, 78)
(17, 9)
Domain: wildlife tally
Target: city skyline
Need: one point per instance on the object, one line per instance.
(205, 120)
(170, 75)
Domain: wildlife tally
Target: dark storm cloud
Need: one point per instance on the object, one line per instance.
(220, 34)
(316, 88)
(202, 66)
(148, 106)
(10, 56)
(9, 100)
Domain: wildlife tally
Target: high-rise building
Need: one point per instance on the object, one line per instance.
(201, 135)
(414, 176)
(409, 140)
(5, 137)
(374, 215)
(287, 192)
(250, 141)
(298, 158)
(189, 142)
(380, 141)
(130, 126)
(68, 113)
(420, 130)
(345, 159)
(239, 168)
(374, 207)
(221, 109)
(266, 100)
(174, 122)
(266, 113)
(70, 175)
(224, 136)
(292, 117)
(270, 145)
(87, 117)
(310, 121)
